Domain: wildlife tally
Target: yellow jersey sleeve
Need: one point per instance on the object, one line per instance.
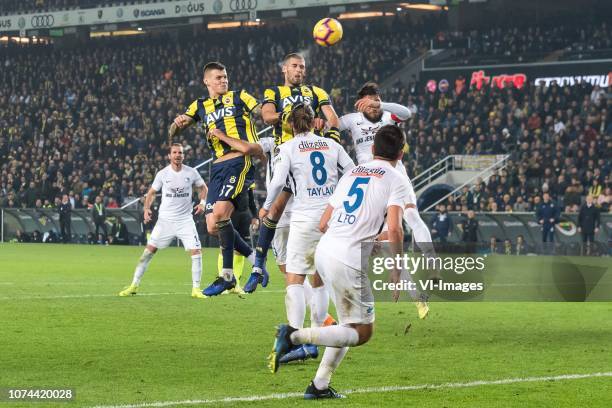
(269, 96)
(322, 96)
(192, 111)
(249, 101)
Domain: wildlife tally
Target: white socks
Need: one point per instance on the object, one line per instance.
(330, 361)
(251, 258)
(296, 305)
(227, 274)
(318, 306)
(143, 263)
(308, 292)
(330, 336)
(196, 270)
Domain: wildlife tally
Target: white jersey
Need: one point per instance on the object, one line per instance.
(269, 148)
(311, 162)
(360, 206)
(362, 131)
(176, 189)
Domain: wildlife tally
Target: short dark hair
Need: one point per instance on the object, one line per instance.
(292, 55)
(369, 88)
(213, 65)
(389, 141)
(175, 144)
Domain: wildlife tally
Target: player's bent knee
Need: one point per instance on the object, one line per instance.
(294, 279)
(364, 331)
(151, 249)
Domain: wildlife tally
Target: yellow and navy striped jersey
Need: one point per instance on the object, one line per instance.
(283, 97)
(230, 113)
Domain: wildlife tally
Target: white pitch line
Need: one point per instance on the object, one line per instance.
(109, 295)
(370, 390)
(87, 296)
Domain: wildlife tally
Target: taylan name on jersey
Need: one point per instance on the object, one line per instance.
(362, 131)
(176, 189)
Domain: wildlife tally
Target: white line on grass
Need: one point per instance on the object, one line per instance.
(86, 296)
(107, 295)
(369, 390)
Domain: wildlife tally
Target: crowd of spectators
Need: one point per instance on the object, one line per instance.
(92, 120)
(559, 138)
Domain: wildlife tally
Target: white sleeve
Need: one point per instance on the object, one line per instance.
(400, 111)
(198, 181)
(345, 163)
(345, 122)
(157, 182)
(282, 164)
(267, 144)
(398, 194)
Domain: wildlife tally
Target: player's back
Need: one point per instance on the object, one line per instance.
(314, 163)
(360, 207)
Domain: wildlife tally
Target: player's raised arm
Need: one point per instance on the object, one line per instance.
(183, 121)
(333, 122)
(399, 112)
(268, 108)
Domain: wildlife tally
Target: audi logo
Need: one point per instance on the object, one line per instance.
(43, 20)
(243, 5)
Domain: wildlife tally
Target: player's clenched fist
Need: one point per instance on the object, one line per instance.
(181, 121)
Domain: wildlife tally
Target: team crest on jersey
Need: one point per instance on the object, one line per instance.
(186, 179)
(227, 100)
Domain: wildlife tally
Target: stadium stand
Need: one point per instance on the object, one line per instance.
(92, 120)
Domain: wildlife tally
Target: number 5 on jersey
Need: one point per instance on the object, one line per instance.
(357, 191)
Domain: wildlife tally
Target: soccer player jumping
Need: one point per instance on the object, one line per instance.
(232, 171)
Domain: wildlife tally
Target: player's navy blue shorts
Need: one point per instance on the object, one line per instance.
(229, 181)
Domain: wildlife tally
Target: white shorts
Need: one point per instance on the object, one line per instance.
(166, 231)
(279, 244)
(301, 245)
(349, 289)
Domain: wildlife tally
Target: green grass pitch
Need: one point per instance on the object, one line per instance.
(62, 325)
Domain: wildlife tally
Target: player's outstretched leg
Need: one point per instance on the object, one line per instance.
(141, 268)
(259, 275)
